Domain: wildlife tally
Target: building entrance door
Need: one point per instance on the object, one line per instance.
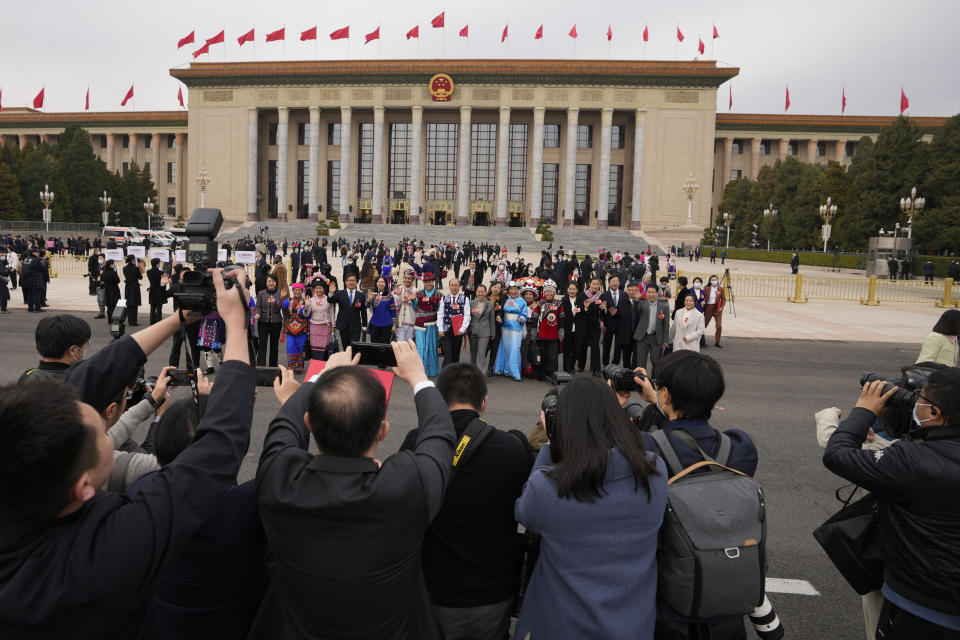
(480, 219)
(398, 216)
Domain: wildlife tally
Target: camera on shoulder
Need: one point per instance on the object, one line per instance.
(197, 292)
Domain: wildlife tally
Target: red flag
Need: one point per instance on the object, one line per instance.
(309, 34)
(700, 46)
(904, 103)
(465, 32)
(414, 33)
(646, 33)
(217, 39)
(573, 32)
(609, 33)
(38, 101)
(730, 105)
(786, 104)
(202, 50)
(437, 23)
(129, 95)
(86, 103)
(503, 37)
(539, 33)
(843, 100)
(180, 95)
(340, 34)
(245, 38)
(188, 39)
(716, 34)
(373, 35)
(679, 34)
(279, 34)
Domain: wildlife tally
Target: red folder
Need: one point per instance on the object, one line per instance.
(385, 378)
(457, 323)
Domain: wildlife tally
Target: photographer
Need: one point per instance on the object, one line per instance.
(78, 562)
(62, 342)
(623, 382)
(915, 483)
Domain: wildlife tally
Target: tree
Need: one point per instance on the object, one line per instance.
(737, 200)
(937, 229)
(62, 203)
(39, 168)
(84, 174)
(11, 202)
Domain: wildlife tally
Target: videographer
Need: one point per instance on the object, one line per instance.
(915, 483)
(78, 562)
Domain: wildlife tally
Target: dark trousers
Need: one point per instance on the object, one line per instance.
(928, 278)
(492, 349)
(132, 315)
(548, 357)
(193, 334)
(450, 346)
(380, 334)
(34, 298)
(348, 337)
(570, 352)
(647, 346)
(589, 339)
(620, 347)
(897, 624)
(156, 312)
(726, 630)
(269, 333)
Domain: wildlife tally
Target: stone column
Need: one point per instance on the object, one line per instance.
(314, 181)
(346, 114)
(179, 140)
(839, 150)
(536, 171)
(727, 163)
(570, 166)
(155, 174)
(784, 144)
(812, 150)
(463, 169)
(252, 162)
(46, 137)
(283, 138)
(416, 162)
(502, 185)
(111, 151)
(755, 157)
(22, 140)
(603, 188)
(637, 201)
(377, 216)
(134, 139)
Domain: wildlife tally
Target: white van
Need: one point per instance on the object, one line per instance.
(121, 235)
(158, 238)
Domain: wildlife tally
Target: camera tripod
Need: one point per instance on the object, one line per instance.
(727, 284)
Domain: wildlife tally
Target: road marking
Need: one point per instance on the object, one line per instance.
(795, 587)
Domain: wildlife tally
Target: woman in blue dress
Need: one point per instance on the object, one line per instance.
(511, 336)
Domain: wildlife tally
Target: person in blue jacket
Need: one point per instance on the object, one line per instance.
(383, 308)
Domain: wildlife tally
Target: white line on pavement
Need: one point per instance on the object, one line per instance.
(786, 585)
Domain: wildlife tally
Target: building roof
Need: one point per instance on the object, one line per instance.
(747, 122)
(19, 117)
(480, 71)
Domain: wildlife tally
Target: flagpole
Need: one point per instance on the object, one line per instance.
(713, 41)
(224, 43)
(443, 31)
(378, 42)
(284, 43)
(676, 49)
(348, 41)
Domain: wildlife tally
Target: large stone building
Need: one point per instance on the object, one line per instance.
(597, 143)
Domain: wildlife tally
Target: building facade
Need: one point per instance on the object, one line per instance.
(506, 142)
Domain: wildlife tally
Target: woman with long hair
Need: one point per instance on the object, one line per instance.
(512, 323)
(384, 311)
(597, 500)
(321, 315)
(941, 344)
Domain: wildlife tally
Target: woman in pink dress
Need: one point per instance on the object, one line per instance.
(322, 315)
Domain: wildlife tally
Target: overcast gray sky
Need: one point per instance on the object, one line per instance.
(817, 46)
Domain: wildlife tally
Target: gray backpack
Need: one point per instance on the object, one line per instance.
(711, 554)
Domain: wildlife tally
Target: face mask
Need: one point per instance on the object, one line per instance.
(659, 408)
(713, 283)
(697, 285)
(916, 418)
(83, 356)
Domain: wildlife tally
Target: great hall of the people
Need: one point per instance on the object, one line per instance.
(603, 143)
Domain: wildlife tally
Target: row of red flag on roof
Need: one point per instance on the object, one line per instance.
(127, 97)
(904, 102)
(438, 22)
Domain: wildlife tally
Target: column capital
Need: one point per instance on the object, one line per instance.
(504, 108)
(112, 136)
(607, 110)
(284, 113)
(378, 112)
(539, 110)
(314, 111)
(346, 112)
(573, 110)
(417, 110)
(156, 138)
(728, 144)
(465, 111)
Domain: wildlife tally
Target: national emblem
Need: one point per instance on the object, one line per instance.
(441, 87)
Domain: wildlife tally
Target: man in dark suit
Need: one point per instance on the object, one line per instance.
(574, 325)
(295, 264)
(260, 271)
(472, 277)
(351, 267)
(653, 329)
(131, 289)
(352, 316)
(155, 291)
(617, 322)
(561, 270)
(93, 271)
(346, 528)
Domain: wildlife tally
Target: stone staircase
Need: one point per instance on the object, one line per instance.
(584, 239)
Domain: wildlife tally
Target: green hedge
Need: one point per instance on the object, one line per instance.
(939, 265)
(809, 258)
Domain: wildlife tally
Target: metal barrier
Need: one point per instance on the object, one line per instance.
(825, 288)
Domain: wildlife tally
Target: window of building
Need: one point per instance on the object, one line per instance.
(615, 195)
(148, 168)
(399, 168)
(821, 149)
(483, 161)
(792, 148)
(365, 161)
(441, 161)
(171, 206)
(124, 167)
(736, 174)
(272, 183)
(849, 149)
(581, 193)
(737, 148)
(517, 164)
(333, 187)
(103, 141)
(617, 136)
(303, 133)
(303, 188)
(551, 136)
(125, 141)
(764, 147)
(148, 142)
(551, 187)
(171, 141)
(272, 134)
(584, 136)
(333, 134)
(171, 172)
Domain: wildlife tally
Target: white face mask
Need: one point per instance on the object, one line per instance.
(916, 417)
(713, 283)
(697, 285)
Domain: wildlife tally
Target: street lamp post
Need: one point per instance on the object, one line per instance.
(148, 209)
(105, 200)
(689, 188)
(912, 206)
(202, 181)
(827, 213)
(46, 197)
(771, 213)
(728, 220)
